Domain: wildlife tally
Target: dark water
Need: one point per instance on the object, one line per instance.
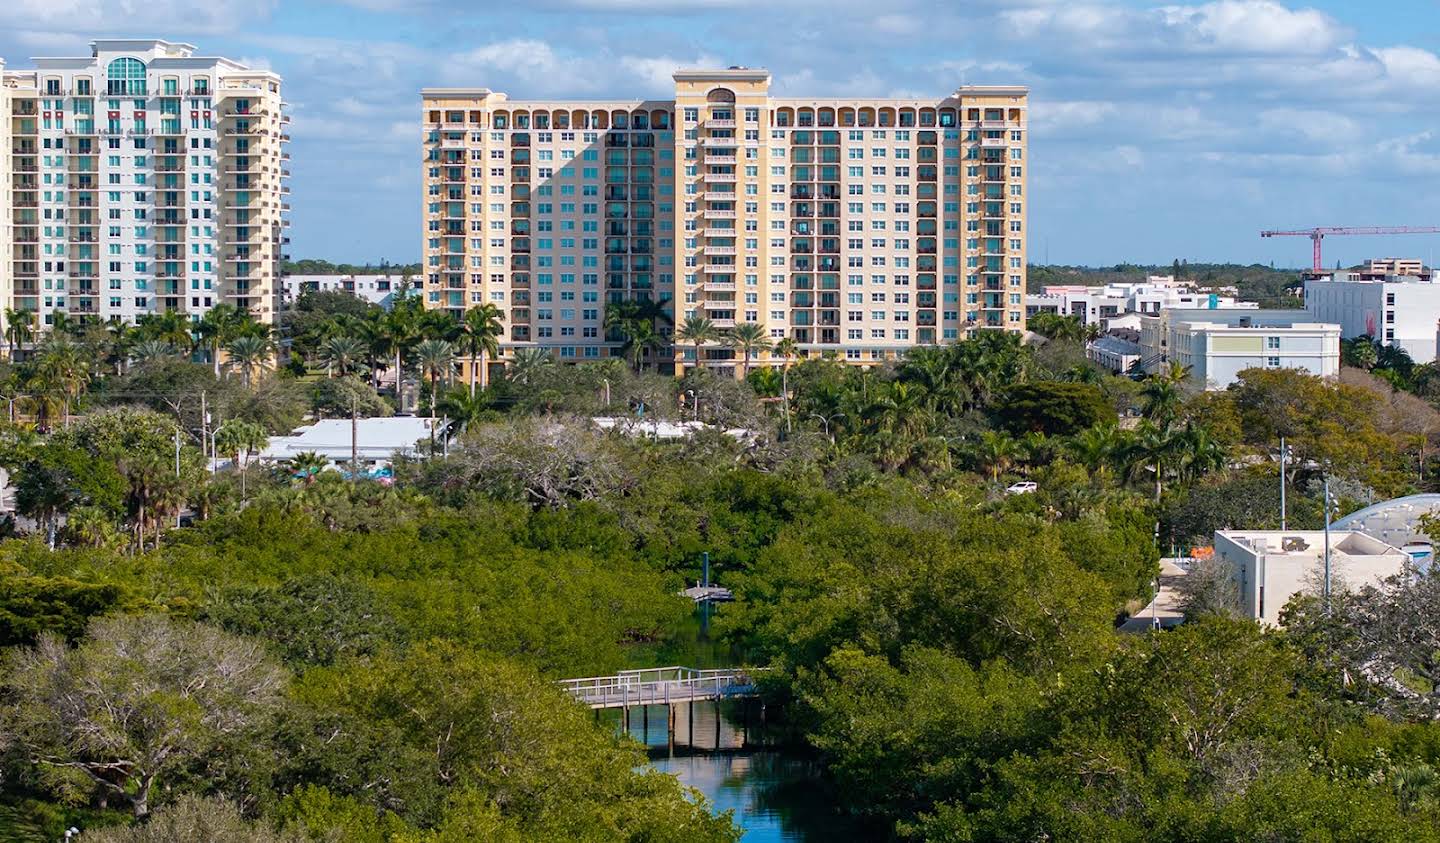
(726, 752)
(777, 795)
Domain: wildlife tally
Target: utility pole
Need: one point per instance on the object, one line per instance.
(205, 432)
(1282, 483)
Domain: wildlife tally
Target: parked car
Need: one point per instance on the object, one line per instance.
(1023, 488)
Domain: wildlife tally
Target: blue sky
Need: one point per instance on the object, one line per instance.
(1160, 130)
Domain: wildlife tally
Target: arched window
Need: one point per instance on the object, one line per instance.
(720, 95)
(126, 77)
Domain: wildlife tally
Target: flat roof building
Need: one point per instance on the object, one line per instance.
(1096, 305)
(142, 178)
(862, 227)
(1268, 567)
(376, 289)
(1217, 345)
(1397, 302)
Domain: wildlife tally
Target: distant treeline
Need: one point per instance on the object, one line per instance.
(313, 266)
(1269, 286)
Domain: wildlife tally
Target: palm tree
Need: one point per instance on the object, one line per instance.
(480, 332)
(62, 370)
(766, 382)
(788, 349)
(120, 338)
(149, 351)
(400, 329)
(1098, 449)
(527, 363)
(61, 323)
(1161, 395)
(19, 329)
(1394, 358)
(171, 327)
(1198, 453)
(462, 409)
(340, 354)
(439, 325)
(250, 354)
(749, 338)
(240, 439)
(635, 323)
(998, 452)
(437, 360)
(305, 466)
(1156, 448)
(697, 330)
(216, 329)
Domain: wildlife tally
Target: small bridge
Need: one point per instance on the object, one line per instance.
(662, 686)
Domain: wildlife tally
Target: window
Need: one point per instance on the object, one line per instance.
(125, 76)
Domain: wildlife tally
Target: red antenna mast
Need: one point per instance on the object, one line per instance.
(1318, 234)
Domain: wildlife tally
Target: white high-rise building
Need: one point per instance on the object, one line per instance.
(142, 178)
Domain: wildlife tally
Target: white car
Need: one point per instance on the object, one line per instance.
(1023, 488)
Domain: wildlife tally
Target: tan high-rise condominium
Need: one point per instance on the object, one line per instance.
(861, 227)
(139, 179)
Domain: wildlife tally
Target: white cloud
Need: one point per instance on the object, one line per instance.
(128, 16)
(1325, 127)
(1252, 26)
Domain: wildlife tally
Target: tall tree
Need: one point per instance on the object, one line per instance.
(788, 349)
(216, 329)
(251, 355)
(341, 355)
(697, 330)
(19, 329)
(143, 698)
(436, 359)
(749, 338)
(480, 340)
(240, 439)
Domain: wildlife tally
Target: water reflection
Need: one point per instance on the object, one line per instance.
(725, 752)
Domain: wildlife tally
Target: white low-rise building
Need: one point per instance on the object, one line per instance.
(1115, 353)
(375, 440)
(1100, 304)
(1271, 566)
(1397, 309)
(376, 289)
(1217, 345)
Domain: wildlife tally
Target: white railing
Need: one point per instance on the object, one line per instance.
(661, 686)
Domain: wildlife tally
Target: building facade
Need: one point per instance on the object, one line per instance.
(1217, 345)
(859, 227)
(143, 178)
(1268, 567)
(376, 289)
(1099, 304)
(1400, 309)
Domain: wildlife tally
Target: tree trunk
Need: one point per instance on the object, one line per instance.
(472, 375)
(785, 393)
(215, 359)
(399, 395)
(484, 369)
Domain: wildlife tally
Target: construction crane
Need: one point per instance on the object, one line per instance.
(1318, 234)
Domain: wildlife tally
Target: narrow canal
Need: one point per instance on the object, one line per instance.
(776, 794)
